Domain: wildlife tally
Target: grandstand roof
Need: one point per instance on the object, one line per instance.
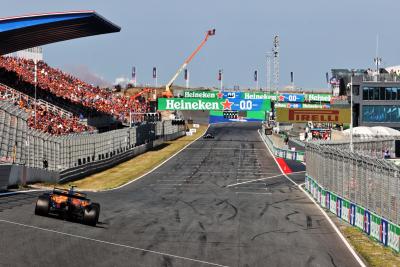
(18, 33)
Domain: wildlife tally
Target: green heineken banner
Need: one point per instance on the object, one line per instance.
(318, 97)
(260, 95)
(200, 94)
(213, 104)
(276, 97)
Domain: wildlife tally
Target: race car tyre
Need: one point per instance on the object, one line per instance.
(42, 206)
(91, 214)
(98, 210)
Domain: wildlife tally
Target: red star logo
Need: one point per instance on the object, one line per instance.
(220, 95)
(281, 98)
(227, 105)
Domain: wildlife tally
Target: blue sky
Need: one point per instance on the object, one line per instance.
(316, 35)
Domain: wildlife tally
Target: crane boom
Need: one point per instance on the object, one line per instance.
(186, 62)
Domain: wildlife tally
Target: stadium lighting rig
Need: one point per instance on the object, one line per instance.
(186, 62)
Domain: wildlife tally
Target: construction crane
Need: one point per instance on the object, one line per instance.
(144, 90)
(167, 92)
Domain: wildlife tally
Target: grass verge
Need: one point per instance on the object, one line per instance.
(132, 169)
(374, 254)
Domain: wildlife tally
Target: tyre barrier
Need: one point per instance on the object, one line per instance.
(373, 225)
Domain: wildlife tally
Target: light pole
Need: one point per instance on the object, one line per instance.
(130, 117)
(269, 56)
(35, 80)
(351, 113)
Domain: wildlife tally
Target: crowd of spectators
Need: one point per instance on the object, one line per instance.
(76, 91)
(46, 121)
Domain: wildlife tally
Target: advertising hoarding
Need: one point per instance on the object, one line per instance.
(200, 94)
(276, 97)
(314, 115)
(213, 104)
(301, 105)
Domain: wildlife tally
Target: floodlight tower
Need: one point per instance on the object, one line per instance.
(269, 56)
(275, 52)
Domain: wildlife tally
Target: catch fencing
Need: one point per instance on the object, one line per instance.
(372, 147)
(359, 187)
(280, 152)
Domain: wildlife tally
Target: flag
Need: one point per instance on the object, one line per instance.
(327, 77)
(154, 73)
(220, 75)
(186, 74)
(255, 75)
(291, 76)
(133, 73)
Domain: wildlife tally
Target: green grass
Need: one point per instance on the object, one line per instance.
(132, 169)
(375, 254)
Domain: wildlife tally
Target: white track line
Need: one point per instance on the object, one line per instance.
(347, 244)
(111, 243)
(262, 179)
(21, 192)
(254, 193)
(121, 186)
(156, 167)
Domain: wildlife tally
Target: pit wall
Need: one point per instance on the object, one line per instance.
(373, 225)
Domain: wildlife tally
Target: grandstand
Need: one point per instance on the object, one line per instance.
(78, 128)
(70, 93)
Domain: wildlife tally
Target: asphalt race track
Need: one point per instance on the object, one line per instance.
(220, 202)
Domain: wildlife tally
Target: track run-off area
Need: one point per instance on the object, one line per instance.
(219, 202)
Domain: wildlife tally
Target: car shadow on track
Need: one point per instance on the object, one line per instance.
(102, 225)
(17, 200)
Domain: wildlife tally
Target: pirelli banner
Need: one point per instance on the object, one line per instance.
(292, 115)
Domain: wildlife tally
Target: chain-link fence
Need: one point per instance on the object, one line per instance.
(372, 147)
(368, 182)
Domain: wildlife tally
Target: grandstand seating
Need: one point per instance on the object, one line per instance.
(75, 91)
(52, 121)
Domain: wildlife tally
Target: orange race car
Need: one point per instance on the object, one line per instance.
(68, 204)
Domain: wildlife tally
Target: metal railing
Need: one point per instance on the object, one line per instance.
(31, 148)
(17, 95)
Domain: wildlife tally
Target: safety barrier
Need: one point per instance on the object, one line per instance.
(362, 190)
(279, 152)
(377, 227)
(97, 166)
(26, 147)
